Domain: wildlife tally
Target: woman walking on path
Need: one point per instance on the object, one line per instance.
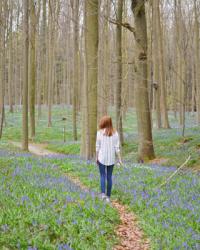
(107, 145)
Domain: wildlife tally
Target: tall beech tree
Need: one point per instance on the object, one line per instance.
(118, 91)
(145, 149)
(42, 86)
(32, 67)
(75, 9)
(2, 63)
(156, 65)
(159, 67)
(197, 59)
(10, 66)
(91, 50)
(161, 62)
(25, 76)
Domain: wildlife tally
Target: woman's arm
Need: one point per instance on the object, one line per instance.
(117, 149)
(98, 144)
(119, 158)
(97, 156)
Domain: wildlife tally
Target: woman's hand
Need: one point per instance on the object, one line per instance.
(120, 162)
(97, 162)
(119, 159)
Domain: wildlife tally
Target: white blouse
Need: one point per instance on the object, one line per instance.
(107, 146)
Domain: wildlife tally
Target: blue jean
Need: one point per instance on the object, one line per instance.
(106, 171)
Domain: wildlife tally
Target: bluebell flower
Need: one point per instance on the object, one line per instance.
(5, 228)
(24, 198)
(64, 247)
(32, 248)
(59, 221)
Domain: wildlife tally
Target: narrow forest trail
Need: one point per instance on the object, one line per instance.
(130, 235)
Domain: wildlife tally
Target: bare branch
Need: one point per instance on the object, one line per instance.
(125, 25)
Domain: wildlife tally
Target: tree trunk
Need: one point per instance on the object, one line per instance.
(156, 65)
(104, 62)
(91, 48)
(76, 67)
(149, 52)
(118, 97)
(42, 84)
(10, 71)
(50, 64)
(25, 78)
(180, 60)
(2, 68)
(145, 149)
(84, 111)
(197, 61)
(32, 68)
(163, 95)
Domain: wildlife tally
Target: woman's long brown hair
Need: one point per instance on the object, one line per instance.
(106, 123)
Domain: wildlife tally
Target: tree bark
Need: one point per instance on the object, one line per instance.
(2, 67)
(91, 48)
(156, 65)
(145, 149)
(76, 66)
(163, 95)
(197, 61)
(51, 45)
(43, 84)
(118, 91)
(32, 68)
(25, 78)
(10, 71)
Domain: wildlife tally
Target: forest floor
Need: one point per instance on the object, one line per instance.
(131, 236)
(171, 147)
(168, 216)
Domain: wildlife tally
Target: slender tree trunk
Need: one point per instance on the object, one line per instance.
(145, 149)
(25, 78)
(125, 70)
(32, 68)
(10, 71)
(104, 62)
(150, 52)
(2, 68)
(180, 60)
(163, 94)
(83, 98)
(41, 94)
(17, 65)
(84, 112)
(197, 61)
(91, 48)
(76, 67)
(118, 98)
(156, 65)
(193, 106)
(50, 69)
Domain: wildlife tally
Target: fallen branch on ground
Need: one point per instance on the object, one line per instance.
(169, 178)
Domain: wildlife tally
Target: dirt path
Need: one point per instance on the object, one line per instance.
(37, 149)
(131, 236)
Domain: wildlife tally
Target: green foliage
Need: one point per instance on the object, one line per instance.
(65, 148)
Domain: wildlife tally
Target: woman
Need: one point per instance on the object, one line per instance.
(107, 145)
